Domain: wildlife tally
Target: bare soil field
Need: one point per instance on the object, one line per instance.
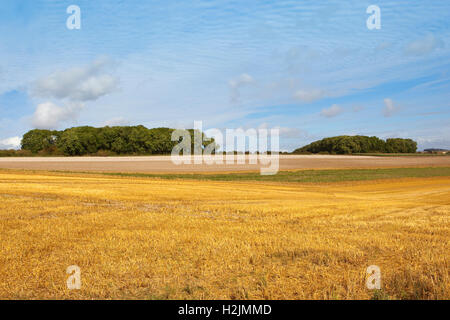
(163, 164)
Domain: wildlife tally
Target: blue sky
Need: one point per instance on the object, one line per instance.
(311, 68)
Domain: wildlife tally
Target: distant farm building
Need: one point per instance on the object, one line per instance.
(436, 151)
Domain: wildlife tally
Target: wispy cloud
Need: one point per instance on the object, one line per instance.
(389, 107)
(424, 45)
(309, 95)
(285, 132)
(236, 85)
(332, 111)
(118, 121)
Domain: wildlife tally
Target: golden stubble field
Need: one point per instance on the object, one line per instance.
(142, 238)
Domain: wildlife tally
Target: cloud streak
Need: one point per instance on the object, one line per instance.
(236, 85)
(423, 45)
(389, 108)
(309, 95)
(332, 111)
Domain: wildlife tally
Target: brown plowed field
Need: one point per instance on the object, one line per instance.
(163, 164)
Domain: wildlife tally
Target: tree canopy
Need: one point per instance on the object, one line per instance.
(359, 144)
(138, 140)
(118, 140)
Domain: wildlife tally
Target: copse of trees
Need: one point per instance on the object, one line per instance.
(87, 140)
(138, 140)
(397, 145)
(358, 144)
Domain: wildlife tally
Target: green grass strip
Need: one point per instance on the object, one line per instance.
(305, 175)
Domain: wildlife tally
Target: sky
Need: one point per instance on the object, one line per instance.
(313, 69)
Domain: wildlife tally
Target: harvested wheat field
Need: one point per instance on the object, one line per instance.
(153, 238)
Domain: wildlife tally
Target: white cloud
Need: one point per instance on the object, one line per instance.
(119, 121)
(332, 111)
(236, 84)
(433, 142)
(291, 132)
(10, 143)
(77, 84)
(285, 132)
(49, 116)
(389, 107)
(309, 95)
(423, 45)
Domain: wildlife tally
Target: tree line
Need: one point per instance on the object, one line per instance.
(117, 140)
(359, 144)
(138, 140)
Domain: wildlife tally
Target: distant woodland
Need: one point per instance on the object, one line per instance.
(138, 140)
(105, 141)
(359, 144)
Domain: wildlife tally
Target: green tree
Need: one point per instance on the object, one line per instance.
(37, 140)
